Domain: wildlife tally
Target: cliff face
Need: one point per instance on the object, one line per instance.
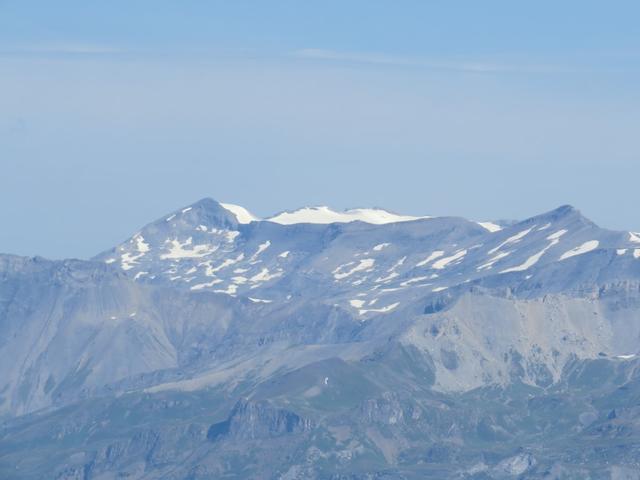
(258, 420)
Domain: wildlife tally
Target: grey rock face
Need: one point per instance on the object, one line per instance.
(251, 420)
(213, 345)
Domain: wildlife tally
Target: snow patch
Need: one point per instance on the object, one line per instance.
(259, 300)
(492, 227)
(261, 248)
(231, 235)
(386, 309)
(356, 303)
(141, 245)
(380, 246)
(626, 357)
(492, 260)
(128, 260)
(557, 234)
(364, 264)
(513, 239)
(533, 259)
(584, 248)
(265, 276)
(210, 271)
(177, 250)
(433, 256)
(242, 215)
(399, 263)
(200, 286)
(324, 215)
(230, 290)
(443, 262)
(528, 263)
(406, 283)
(388, 278)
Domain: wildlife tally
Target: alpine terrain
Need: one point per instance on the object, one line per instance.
(318, 344)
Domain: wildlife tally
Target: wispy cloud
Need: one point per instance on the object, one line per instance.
(61, 49)
(354, 57)
(462, 65)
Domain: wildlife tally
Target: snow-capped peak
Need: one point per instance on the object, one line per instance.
(325, 215)
(242, 214)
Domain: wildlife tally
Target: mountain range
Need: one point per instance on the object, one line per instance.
(317, 344)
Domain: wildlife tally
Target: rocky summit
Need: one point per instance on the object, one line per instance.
(318, 344)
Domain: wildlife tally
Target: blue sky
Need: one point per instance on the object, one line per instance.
(113, 113)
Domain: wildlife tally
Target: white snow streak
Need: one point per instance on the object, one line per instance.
(433, 256)
(492, 260)
(386, 309)
(492, 227)
(364, 264)
(443, 262)
(261, 248)
(177, 250)
(584, 248)
(513, 239)
(533, 259)
(200, 286)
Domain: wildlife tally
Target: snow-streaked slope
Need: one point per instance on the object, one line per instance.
(356, 270)
(207, 247)
(325, 215)
(206, 306)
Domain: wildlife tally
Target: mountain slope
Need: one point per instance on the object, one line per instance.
(320, 327)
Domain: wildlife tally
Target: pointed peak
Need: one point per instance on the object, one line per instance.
(206, 202)
(205, 211)
(564, 214)
(564, 210)
(208, 208)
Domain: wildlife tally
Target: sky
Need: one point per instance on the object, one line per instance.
(115, 113)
